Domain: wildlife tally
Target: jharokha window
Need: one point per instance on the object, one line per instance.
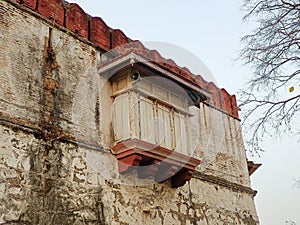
(151, 109)
(151, 123)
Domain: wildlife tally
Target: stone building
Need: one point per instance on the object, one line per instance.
(97, 129)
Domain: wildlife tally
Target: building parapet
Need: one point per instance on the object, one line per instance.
(71, 18)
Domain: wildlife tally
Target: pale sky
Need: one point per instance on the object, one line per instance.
(212, 30)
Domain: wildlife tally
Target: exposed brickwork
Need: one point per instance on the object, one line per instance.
(118, 38)
(216, 101)
(28, 3)
(186, 73)
(155, 56)
(52, 9)
(226, 100)
(77, 20)
(171, 65)
(99, 34)
(201, 82)
(139, 48)
(235, 108)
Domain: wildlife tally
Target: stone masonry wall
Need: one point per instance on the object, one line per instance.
(43, 182)
(55, 137)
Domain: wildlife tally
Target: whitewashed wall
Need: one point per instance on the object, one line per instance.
(55, 137)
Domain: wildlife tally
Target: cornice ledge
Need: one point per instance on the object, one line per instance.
(224, 183)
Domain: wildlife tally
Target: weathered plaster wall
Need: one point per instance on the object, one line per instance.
(55, 135)
(43, 182)
(20, 62)
(217, 139)
(50, 79)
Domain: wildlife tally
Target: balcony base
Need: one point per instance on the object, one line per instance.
(150, 160)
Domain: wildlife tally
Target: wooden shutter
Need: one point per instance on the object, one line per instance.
(180, 131)
(121, 123)
(147, 122)
(183, 133)
(164, 126)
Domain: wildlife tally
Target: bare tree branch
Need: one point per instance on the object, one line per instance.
(273, 52)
